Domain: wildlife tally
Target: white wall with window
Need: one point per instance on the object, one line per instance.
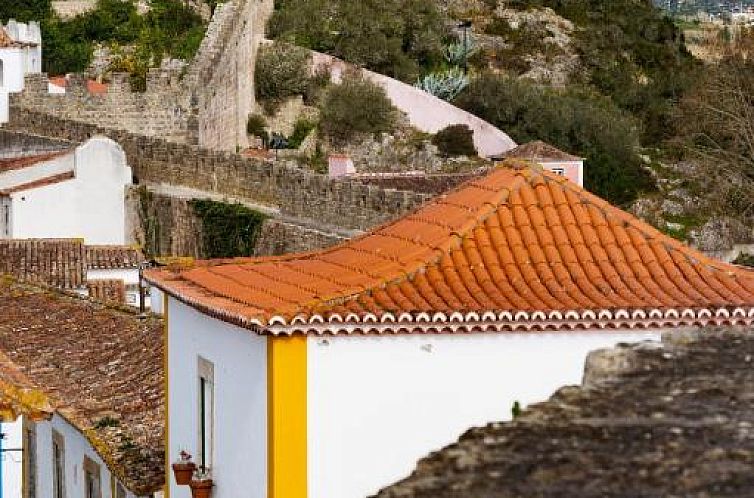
(217, 376)
(57, 462)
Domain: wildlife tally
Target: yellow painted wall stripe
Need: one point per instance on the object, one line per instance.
(287, 413)
(168, 468)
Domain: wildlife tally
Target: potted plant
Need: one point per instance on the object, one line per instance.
(183, 468)
(201, 483)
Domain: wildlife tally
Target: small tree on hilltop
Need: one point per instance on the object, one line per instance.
(354, 107)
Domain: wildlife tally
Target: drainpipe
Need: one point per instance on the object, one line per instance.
(2, 436)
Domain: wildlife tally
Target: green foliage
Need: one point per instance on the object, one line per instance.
(399, 38)
(356, 106)
(256, 126)
(576, 121)
(301, 130)
(282, 71)
(25, 10)
(230, 230)
(632, 53)
(744, 259)
(106, 421)
(170, 28)
(445, 84)
(516, 409)
(455, 140)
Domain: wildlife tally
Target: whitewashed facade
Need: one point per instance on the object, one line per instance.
(34, 449)
(20, 54)
(39, 201)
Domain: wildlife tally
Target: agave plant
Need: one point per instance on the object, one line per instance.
(444, 84)
(458, 53)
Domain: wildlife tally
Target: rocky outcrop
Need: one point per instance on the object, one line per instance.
(669, 419)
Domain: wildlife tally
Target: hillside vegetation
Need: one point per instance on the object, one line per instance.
(627, 68)
(169, 28)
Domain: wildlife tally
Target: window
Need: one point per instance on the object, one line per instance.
(1, 73)
(58, 465)
(558, 171)
(29, 459)
(206, 412)
(92, 483)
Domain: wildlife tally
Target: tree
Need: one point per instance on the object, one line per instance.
(575, 120)
(354, 107)
(25, 10)
(718, 119)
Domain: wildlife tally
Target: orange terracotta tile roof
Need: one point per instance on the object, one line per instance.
(540, 151)
(517, 246)
(92, 86)
(14, 163)
(98, 367)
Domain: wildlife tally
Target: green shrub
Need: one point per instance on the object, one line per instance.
(356, 106)
(574, 120)
(301, 130)
(282, 71)
(256, 126)
(745, 259)
(25, 10)
(170, 28)
(230, 230)
(455, 140)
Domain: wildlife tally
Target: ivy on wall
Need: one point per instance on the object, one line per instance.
(229, 230)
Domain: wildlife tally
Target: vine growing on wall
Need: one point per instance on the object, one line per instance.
(229, 230)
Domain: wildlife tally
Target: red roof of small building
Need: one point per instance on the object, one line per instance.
(539, 151)
(517, 246)
(42, 182)
(92, 86)
(13, 163)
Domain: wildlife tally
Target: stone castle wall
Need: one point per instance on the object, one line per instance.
(162, 111)
(21, 144)
(208, 106)
(221, 77)
(168, 226)
(295, 192)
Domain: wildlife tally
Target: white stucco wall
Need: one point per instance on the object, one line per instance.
(378, 404)
(240, 376)
(12, 461)
(90, 206)
(41, 170)
(76, 447)
(14, 68)
(4, 106)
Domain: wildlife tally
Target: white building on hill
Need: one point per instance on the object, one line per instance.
(20, 54)
(78, 193)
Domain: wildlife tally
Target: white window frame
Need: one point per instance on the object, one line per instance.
(58, 465)
(92, 468)
(205, 412)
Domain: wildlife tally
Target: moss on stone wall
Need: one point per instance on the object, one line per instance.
(229, 230)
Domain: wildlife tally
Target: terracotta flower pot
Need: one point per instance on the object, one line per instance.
(201, 489)
(183, 472)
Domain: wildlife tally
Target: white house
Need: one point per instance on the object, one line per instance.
(329, 374)
(81, 398)
(78, 193)
(20, 54)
